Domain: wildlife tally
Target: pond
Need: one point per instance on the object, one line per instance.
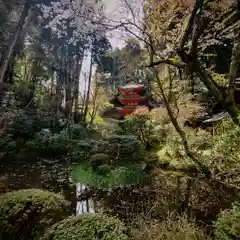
(124, 202)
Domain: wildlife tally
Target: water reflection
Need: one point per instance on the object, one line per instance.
(86, 205)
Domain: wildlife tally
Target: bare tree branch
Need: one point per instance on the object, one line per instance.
(178, 64)
(131, 10)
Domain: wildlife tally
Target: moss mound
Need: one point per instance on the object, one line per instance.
(88, 227)
(26, 214)
(228, 223)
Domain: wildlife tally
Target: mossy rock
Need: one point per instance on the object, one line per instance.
(88, 227)
(26, 214)
(227, 226)
(99, 159)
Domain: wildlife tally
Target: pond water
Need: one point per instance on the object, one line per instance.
(44, 174)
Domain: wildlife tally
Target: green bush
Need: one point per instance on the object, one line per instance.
(124, 148)
(25, 124)
(77, 131)
(88, 227)
(25, 214)
(228, 223)
(98, 159)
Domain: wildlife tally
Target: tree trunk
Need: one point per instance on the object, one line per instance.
(52, 83)
(33, 83)
(59, 86)
(218, 93)
(194, 65)
(88, 90)
(79, 62)
(12, 43)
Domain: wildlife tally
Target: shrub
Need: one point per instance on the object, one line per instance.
(88, 227)
(25, 124)
(125, 148)
(51, 145)
(228, 223)
(98, 159)
(25, 214)
(173, 228)
(8, 147)
(228, 145)
(145, 127)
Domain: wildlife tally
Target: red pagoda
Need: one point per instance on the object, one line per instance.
(127, 99)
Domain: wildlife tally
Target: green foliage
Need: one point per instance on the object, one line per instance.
(51, 145)
(120, 148)
(128, 174)
(98, 159)
(123, 175)
(88, 227)
(47, 144)
(228, 223)
(7, 144)
(147, 130)
(26, 214)
(220, 79)
(122, 64)
(25, 124)
(229, 142)
(77, 131)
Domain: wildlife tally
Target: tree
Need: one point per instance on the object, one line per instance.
(188, 49)
(122, 64)
(13, 41)
(75, 35)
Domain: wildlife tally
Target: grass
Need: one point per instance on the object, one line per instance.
(121, 175)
